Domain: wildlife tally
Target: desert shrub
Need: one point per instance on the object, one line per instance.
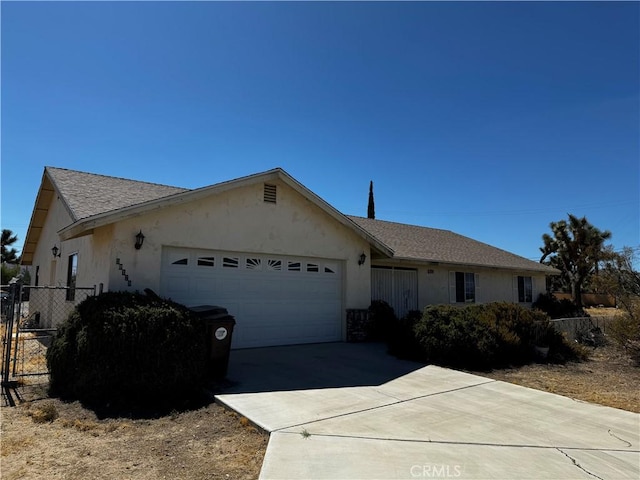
(401, 339)
(128, 350)
(382, 319)
(45, 413)
(480, 337)
(558, 308)
(625, 331)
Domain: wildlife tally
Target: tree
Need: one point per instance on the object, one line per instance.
(9, 255)
(575, 248)
(616, 276)
(371, 209)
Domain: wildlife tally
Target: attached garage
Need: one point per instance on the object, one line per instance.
(276, 299)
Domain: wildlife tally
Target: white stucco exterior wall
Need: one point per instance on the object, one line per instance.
(239, 221)
(493, 285)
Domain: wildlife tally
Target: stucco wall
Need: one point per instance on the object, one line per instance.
(493, 285)
(52, 305)
(52, 271)
(238, 220)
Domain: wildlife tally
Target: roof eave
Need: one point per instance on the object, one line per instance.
(427, 261)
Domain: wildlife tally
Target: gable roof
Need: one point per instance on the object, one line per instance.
(88, 194)
(422, 244)
(97, 200)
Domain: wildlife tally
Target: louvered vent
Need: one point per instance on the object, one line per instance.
(269, 193)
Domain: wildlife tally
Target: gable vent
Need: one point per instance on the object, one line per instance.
(269, 193)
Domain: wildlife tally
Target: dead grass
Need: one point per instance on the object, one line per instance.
(208, 443)
(607, 377)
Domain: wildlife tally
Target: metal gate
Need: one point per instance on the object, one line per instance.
(29, 317)
(396, 286)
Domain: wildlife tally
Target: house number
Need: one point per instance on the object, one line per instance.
(221, 333)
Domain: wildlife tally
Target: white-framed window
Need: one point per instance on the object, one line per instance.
(253, 263)
(293, 266)
(525, 289)
(463, 286)
(230, 262)
(206, 261)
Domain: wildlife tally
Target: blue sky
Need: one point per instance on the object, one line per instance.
(488, 119)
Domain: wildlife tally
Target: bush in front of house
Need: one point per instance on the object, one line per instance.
(382, 320)
(555, 308)
(122, 349)
(481, 337)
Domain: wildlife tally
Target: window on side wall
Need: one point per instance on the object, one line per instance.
(463, 287)
(525, 290)
(72, 271)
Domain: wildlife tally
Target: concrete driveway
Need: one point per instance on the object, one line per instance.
(350, 411)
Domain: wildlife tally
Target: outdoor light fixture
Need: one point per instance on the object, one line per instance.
(139, 240)
(55, 251)
(362, 258)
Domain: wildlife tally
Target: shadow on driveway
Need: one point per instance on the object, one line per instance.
(312, 366)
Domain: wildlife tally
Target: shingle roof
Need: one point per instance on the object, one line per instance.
(411, 242)
(88, 194)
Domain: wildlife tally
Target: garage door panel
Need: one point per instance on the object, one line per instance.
(276, 300)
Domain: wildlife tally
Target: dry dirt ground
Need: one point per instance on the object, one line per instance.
(209, 443)
(214, 443)
(608, 377)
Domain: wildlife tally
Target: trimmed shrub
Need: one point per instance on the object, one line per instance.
(122, 350)
(402, 340)
(382, 319)
(558, 308)
(481, 337)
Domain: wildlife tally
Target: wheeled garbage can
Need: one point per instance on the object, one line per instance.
(219, 331)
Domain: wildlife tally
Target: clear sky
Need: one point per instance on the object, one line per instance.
(488, 119)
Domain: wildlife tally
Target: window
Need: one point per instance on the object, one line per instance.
(72, 271)
(464, 286)
(182, 261)
(525, 290)
(206, 261)
(253, 264)
(230, 262)
(293, 266)
(274, 265)
(312, 267)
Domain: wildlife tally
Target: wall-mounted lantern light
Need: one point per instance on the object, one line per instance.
(55, 251)
(362, 259)
(139, 240)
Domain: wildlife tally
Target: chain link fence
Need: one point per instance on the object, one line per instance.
(28, 322)
(585, 330)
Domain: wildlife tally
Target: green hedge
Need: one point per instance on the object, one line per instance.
(122, 349)
(479, 337)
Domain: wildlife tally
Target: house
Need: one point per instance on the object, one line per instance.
(282, 260)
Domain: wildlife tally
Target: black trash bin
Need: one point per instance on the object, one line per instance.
(219, 331)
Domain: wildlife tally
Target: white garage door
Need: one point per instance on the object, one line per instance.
(275, 299)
